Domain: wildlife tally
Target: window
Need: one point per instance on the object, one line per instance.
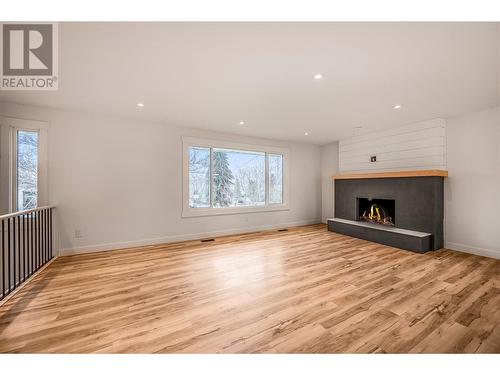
(222, 178)
(239, 178)
(27, 169)
(23, 171)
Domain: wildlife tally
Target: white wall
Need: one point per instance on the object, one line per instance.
(120, 181)
(329, 167)
(473, 186)
(415, 146)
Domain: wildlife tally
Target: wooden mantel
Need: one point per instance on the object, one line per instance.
(418, 173)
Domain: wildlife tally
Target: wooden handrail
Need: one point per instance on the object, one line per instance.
(19, 213)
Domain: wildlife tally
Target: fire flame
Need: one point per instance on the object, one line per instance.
(377, 215)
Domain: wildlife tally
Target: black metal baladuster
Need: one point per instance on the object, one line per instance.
(26, 244)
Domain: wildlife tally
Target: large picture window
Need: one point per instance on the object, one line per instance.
(221, 178)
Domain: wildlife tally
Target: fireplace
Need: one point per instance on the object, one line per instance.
(376, 211)
(403, 210)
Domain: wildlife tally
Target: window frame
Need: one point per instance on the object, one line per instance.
(14, 125)
(188, 211)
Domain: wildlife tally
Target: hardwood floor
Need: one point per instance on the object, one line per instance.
(302, 291)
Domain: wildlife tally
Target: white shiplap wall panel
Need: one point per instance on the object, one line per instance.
(416, 146)
(402, 146)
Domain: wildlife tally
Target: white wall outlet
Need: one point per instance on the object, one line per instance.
(78, 233)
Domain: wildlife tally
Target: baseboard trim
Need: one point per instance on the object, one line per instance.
(177, 238)
(473, 250)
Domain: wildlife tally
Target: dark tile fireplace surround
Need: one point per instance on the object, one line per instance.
(404, 212)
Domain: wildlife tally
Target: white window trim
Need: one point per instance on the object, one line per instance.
(196, 212)
(14, 125)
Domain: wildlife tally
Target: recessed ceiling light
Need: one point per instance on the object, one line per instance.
(397, 106)
(318, 76)
(306, 133)
(242, 122)
(140, 105)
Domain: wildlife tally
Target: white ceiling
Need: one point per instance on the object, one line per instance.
(213, 75)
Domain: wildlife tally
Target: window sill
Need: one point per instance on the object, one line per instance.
(197, 212)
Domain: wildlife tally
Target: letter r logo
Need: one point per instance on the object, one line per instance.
(27, 49)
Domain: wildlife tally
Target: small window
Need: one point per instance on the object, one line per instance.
(221, 177)
(27, 169)
(23, 164)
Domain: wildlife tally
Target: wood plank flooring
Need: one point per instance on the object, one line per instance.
(302, 291)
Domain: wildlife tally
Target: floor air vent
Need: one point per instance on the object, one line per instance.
(283, 230)
(208, 240)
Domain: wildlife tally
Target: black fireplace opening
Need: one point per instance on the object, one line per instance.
(377, 211)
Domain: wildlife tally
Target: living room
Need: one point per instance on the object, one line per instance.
(250, 187)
